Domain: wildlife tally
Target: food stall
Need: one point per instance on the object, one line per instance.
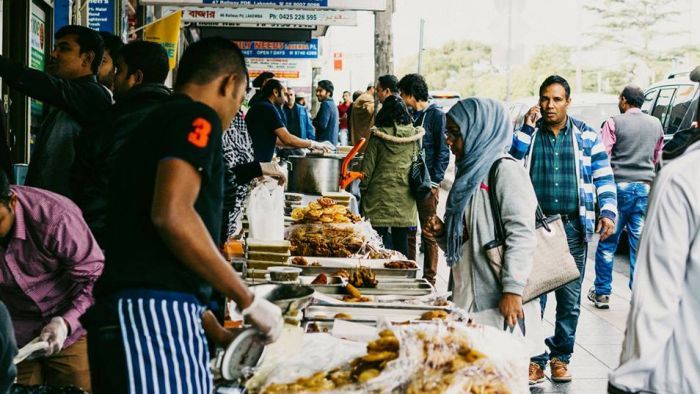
(359, 318)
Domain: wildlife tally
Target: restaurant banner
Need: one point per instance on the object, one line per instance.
(281, 3)
(166, 32)
(204, 15)
(286, 50)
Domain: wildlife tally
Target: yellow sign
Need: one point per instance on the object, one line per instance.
(166, 32)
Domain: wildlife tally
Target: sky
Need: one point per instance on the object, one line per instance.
(535, 23)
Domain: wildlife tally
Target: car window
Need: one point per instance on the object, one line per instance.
(663, 105)
(649, 99)
(681, 106)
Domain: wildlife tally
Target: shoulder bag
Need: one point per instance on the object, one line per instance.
(553, 266)
(418, 175)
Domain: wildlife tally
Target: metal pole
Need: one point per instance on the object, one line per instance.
(420, 44)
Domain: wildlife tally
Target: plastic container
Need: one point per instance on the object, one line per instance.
(284, 274)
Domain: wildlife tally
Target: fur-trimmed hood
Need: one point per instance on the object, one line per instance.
(399, 134)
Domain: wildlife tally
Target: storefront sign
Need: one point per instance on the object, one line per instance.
(287, 50)
(281, 3)
(357, 5)
(272, 16)
(294, 73)
(101, 15)
(37, 55)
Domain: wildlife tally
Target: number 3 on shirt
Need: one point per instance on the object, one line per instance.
(199, 136)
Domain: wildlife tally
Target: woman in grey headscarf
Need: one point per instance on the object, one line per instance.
(479, 133)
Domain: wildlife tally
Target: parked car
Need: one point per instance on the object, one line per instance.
(674, 101)
(592, 108)
(445, 98)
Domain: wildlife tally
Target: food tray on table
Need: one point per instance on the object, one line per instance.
(386, 286)
(331, 265)
(362, 313)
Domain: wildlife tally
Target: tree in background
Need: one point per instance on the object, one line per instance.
(633, 27)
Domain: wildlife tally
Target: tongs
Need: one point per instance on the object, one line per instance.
(347, 177)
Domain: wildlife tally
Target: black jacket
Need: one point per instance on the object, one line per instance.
(437, 153)
(75, 106)
(92, 170)
(680, 142)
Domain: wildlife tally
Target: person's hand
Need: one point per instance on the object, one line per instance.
(325, 147)
(266, 317)
(532, 116)
(435, 226)
(694, 125)
(274, 170)
(55, 333)
(605, 228)
(511, 307)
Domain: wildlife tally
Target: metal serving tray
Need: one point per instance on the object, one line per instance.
(331, 265)
(369, 313)
(386, 286)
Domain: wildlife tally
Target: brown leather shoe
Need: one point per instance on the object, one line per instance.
(536, 373)
(560, 371)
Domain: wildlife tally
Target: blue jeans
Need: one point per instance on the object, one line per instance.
(561, 345)
(632, 199)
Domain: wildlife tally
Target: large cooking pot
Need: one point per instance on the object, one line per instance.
(316, 174)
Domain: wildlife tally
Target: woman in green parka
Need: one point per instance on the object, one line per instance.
(386, 196)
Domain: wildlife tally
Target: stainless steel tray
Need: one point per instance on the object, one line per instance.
(331, 265)
(386, 286)
(369, 313)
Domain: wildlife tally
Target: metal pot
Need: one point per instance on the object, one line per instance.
(316, 174)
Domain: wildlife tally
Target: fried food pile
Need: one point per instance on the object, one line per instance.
(450, 362)
(324, 210)
(354, 295)
(325, 241)
(398, 264)
(361, 370)
(363, 277)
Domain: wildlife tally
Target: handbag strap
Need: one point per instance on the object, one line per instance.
(496, 206)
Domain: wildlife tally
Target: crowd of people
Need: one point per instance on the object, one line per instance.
(111, 249)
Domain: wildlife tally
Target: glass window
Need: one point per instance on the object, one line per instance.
(681, 106)
(649, 99)
(663, 105)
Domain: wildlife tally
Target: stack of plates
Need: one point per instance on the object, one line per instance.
(264, 254)
(291, 201)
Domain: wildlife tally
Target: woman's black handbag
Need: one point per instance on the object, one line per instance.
(419, 178)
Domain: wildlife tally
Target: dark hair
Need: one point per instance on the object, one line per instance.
(327, 86)
(112, 43)
(208, 59)
(389, 82)
(634, 95)
(394, 111)
(270, 86)
(260, 79)
(357, 94)
(555, 79)
(414, 85)
(346, 91)
(4, 188)
(149, 57)
(88, 40)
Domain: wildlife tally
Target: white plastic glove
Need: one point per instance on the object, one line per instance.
(266, 317)
(55, 333)
(326, 146)
(273, 170)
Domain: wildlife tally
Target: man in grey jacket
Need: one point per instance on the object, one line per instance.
(660, 353)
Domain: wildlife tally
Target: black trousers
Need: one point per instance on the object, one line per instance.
(395, 238)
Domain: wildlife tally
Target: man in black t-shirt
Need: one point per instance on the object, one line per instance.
(165, 209)
(266, 126)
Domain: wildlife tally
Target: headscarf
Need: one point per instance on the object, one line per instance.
(487, 134)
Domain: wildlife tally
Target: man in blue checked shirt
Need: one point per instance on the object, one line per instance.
(568, 163)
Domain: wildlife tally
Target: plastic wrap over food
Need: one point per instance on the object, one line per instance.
(433, 357)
